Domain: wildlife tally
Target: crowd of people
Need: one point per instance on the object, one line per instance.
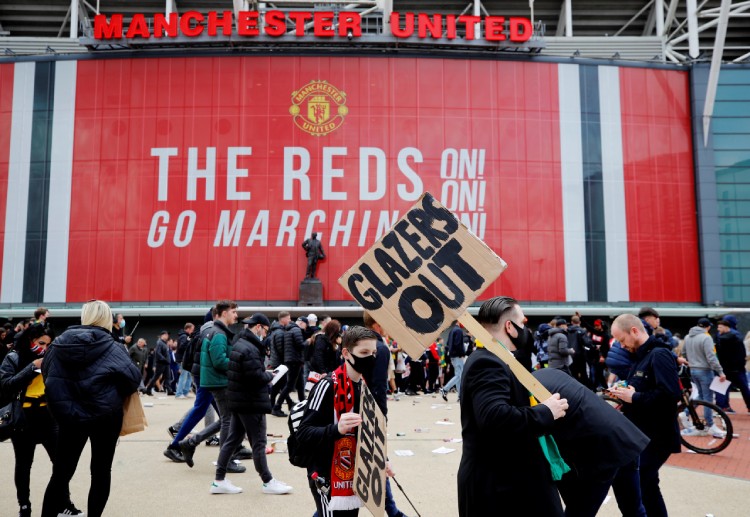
(72, 389)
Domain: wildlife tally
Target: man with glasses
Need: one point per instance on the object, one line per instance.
(248, 402)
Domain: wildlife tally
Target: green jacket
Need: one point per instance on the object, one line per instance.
(215, 357)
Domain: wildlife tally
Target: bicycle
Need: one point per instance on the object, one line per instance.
(695, 433)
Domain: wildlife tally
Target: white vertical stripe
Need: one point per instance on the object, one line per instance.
(61, 172)
(571, 164)
(18, 183)
(615, 225)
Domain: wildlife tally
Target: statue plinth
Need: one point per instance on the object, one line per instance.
(311, 292)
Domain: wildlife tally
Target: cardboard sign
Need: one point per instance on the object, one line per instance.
(422, 275)
(369, 472)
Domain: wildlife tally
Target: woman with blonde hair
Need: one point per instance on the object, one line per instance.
(87, 375)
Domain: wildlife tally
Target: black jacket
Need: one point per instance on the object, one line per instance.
(503, 468)
(294, 344)
(161, 353)
(87, 374)
(594, 438)
(247, 391)
(16, 373)
(455, 342)
(731, 352)
(317, 432)
(378, 384)
(183, 339)
(276, 344)
(657, 386)
(324, 356)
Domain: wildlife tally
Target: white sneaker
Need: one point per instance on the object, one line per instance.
(684, 420)
(224, 487)
(692, 431)
(716, 432)
(276, 487)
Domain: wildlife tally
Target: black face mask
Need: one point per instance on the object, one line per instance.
(363, 365)
(524, 337)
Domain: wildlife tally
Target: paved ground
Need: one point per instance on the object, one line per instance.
(147, 484)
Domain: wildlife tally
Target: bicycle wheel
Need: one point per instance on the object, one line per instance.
(700, 436)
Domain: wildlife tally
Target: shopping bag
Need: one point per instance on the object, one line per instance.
(133, 417)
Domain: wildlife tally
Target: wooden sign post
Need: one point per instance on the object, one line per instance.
(415, 281)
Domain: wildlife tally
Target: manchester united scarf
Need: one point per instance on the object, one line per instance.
(345, 448)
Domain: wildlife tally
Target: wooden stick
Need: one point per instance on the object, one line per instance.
(522, 374)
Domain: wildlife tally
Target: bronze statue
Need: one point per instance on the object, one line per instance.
(314, 252)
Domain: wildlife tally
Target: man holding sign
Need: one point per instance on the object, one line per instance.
(503, 468)
(332, 441)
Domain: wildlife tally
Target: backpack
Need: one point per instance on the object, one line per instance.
(297, 457)
(579, 341)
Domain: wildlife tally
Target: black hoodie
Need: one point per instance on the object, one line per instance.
(87, 374)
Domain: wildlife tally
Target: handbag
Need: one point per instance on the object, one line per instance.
(133, 417)
(11, 418)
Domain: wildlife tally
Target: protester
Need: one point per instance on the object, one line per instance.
(600, 446)
(87, 375)
(560, 353)
(324, 349)
(515, 479)
(731, 352)
(327, 429)
(162, 361)
(294, 346)
(276, 345)
(650, 398)
(20, 375)
(704, 366)
(185, 380)
(248, 403)
(457, 354)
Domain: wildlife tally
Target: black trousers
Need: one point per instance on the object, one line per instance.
(162, 371)
(103, 434)
(292, 377)
(40, 428)
(252, 425)
(652, 458)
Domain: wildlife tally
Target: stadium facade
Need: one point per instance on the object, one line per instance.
(163, 156)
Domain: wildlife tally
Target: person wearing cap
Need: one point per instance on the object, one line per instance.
(650, 398)
(731, 352)
(652, 318)
(704, 366)
(560, 354)
(248, 404)
(294, 346)
(161, 362)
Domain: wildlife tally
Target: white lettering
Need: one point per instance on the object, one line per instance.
(163, 153)
(403, 165)
(260, 229)
(180, 240)
(226, 233)
(288, 226)
(233, 172)
(365, 153)
(300, 174)
(385, 224)
(345, 228)
(208, 174)
(157, 233)
(329, 173)
(363, 228)
(315, 215)
(449, 157)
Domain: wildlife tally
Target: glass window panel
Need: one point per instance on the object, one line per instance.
(732, 109)
(733, 92)
(737, 242)
(736, 294)
(734, 225)
(732, 141)
(733, 175)
(729, 125)
(729, 158)
(735, 259)
(736, 276)
(735, 191)
(736, 76)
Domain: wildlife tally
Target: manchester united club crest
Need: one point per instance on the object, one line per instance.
(318, 108)
(343, 463)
